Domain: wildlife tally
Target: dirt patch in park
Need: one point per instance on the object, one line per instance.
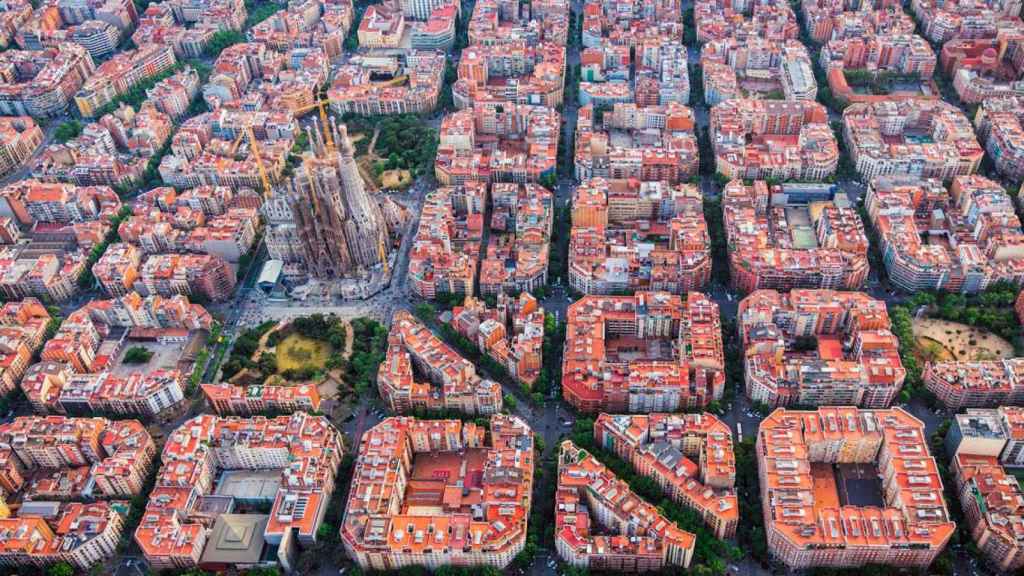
(395, 179)
(942, 340)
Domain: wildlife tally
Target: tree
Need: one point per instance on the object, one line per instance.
(548, 180)
(266, 571)
(137, 355)
(221, 40)
(327, 532)
(60, 569)
(575, 571)
(260, 12)
(268, 363)
(425, 312)
(510, 402)
(67, 130)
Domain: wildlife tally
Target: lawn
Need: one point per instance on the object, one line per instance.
(297, 352)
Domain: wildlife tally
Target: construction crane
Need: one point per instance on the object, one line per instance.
(321, 105)
(255, 150)
(267, 189)
(238, 140)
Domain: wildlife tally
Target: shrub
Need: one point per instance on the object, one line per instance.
(137, 355)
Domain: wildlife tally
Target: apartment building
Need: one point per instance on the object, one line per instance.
(840, 20)
(437, 33)
(520, 72)
(516, 256)
(452, 384)
(229, 400)
(987, 67)
(79, 344)
(690, 456)
(997, 432)
(806, 460)
(100, 36)
(307, 450)
(203, 150)
(118, 268)
(629, 235)
(115, 455)
(157, 312)
(876, 40)
(199, 275)
(435, 493)
(744, 20)
(793, 236)
(22, 329)
(617, 356)
(979, 384)
(782, 140)
(657, 76)
(589, 494)
(187, 26)
(414, 87)
(511, 333)
(981, 443)
(998, 121)
(82, 535)
(16, 14)
(382, 26)
(650, 143)
(120, 13)
(943, 21)
(41, 83)
(913, 216)
(121, 73)
(113, 151)
(40, 272)
(202, 220)
(819, 348)
(993, 507)
(145, 394)
(309, 24)
(498, 142)
(20, 137)
(75, 343)
(445, 251)
(498, 22)
(756, 65)
(926, 138)
(31, 202)
(904, 54)
(173, 95)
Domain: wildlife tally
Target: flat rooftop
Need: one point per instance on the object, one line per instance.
(249, 484)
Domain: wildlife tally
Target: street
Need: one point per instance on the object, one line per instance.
(553, 419)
